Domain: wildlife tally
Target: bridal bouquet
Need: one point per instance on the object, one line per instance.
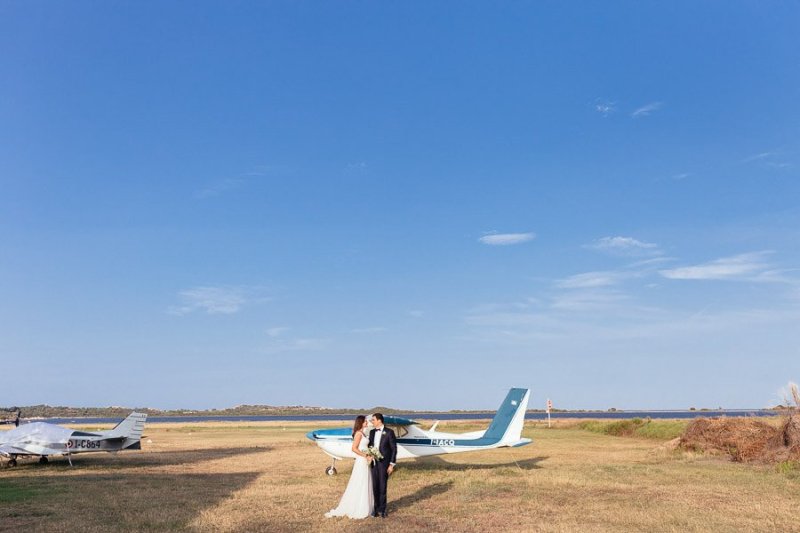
(374, 454)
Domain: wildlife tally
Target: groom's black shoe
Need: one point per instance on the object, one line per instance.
(374, 515)
(383, 515)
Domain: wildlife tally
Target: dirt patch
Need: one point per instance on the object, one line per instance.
(745, 440)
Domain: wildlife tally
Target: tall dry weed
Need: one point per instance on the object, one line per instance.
(794, 391)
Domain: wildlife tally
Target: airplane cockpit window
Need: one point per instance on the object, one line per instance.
(399, 431)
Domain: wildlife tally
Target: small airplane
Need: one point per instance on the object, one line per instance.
(44, 439)
(505, 430)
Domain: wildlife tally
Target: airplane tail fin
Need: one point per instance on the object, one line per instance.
(130, 428)
(507, 424)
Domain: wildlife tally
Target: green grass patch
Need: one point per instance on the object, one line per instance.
(11, 494)
(788, 467)
(637, 427)
(662, 429)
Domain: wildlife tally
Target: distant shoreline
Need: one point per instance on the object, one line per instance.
(47, 412)
(317, 416)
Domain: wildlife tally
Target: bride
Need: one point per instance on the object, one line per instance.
(356, 501)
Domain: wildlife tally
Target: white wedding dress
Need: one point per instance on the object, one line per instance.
(356, 501)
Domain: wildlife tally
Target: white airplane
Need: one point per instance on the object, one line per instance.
(44, 439)
(413, 441)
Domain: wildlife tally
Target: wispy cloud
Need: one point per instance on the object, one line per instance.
(219, 187)
(376, 329)
(562, 315)
(604, 107)
(646, 110)
(605, 307)
(737, 267)
(590, 280)
(769, 159)
(211, 300)
(607, 278)
(277, 331)
(774, 164)
(506, 239)
(624, 246)
(265, 170)
(588, 300)
(301, 344)
(680, 176)
(356, 166)
(577, 321)
(416, 313)
(758, 156)
(650, 262)
(223, 185)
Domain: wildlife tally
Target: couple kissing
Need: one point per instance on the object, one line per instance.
(376, 455)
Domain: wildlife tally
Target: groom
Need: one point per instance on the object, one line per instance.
(384, 440)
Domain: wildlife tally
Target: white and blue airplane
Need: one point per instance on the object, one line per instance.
(504, 431)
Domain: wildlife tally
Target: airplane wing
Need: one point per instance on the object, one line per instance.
(37, 438)
(7, 450)
(398, 421)
(30, 449)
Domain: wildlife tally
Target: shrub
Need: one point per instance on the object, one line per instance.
(745, 439)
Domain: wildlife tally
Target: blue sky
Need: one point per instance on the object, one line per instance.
(357, 204)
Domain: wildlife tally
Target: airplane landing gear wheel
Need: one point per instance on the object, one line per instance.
(331, 471)
(43, 460)
(12, 463)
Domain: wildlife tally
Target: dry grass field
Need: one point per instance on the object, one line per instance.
(268, 477)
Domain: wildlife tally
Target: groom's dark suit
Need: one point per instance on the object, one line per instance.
(388, 448)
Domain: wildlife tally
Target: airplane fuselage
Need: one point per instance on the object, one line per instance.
(413, 441)
(80, 444)
(421, 445)
(406, 448)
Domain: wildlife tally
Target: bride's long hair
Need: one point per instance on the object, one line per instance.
(358, 424)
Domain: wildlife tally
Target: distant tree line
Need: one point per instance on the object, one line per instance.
(57, 411)
(52, 411)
